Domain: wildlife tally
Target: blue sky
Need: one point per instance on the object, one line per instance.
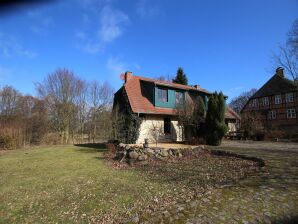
(222, 45)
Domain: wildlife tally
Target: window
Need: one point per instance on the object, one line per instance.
(254, 103)
(179, 97)
(162, 95)
(291, 113)
(265, 101)
(277, 99)
(272, 115)
(289, 97)
(167, 126)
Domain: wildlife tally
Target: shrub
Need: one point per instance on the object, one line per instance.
(7, 142)
(51, 139)
(215, 119)
(126, 124)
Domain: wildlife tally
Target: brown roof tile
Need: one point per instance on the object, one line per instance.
(141, 104)
(231, 114)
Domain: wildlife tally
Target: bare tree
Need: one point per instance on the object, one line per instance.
(293, 38)
(288, 60)
(59, 91)
(165, 78)
(82, 107)
(287, 57)
(9, 98)
(100, 96)
(156, 131)
(239, 102)
(191, 115)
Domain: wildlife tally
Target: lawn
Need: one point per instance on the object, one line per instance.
(67, 184)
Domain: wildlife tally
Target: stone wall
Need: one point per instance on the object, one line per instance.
(134, 154)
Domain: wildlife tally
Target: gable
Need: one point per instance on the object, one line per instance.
(275, 85)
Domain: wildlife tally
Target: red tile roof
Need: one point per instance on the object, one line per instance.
(141, 104)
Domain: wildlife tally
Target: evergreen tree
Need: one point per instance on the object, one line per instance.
(215, 119)
(180, 77)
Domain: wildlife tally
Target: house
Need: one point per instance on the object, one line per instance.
(232, 120)
(274, 107)
(156, 102)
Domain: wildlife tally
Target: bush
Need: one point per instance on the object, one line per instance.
(7, 142)
(51, 139)
(259, 136)
(126, 124)
(215, 119)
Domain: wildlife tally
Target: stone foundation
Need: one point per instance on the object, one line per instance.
(133, 154)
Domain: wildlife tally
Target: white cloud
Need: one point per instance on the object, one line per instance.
(112, 24)
(41, 23)
(10, 46)
(116, 66)
(81, 35)
(145, 9)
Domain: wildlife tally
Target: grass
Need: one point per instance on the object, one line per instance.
(69, 184)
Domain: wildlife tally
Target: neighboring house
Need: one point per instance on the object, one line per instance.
(156, 102)
(232, 120)
(274, 106)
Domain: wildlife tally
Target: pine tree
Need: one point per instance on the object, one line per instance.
(215, 119)
(180, 77)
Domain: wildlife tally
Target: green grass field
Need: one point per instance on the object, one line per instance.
(67, 184)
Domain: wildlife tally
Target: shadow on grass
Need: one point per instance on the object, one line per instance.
(92, 147)
(291, 220)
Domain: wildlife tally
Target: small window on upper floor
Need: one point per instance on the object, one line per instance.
(162, 95)
(254, 103)
(265, 101)
(179, 98)
(277, 99)
(291, 113)
(289, 97)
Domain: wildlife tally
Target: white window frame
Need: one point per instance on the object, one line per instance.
(265, 101)
(254, 103)
(291, 113)
(289, 97)
(272, 114)
(278, 99)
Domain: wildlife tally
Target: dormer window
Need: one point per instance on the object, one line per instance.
(277, 99)
(162, 95)
(289, 97)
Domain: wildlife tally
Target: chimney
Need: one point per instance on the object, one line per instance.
(197, 87)
(128, 75)
(280, 72)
